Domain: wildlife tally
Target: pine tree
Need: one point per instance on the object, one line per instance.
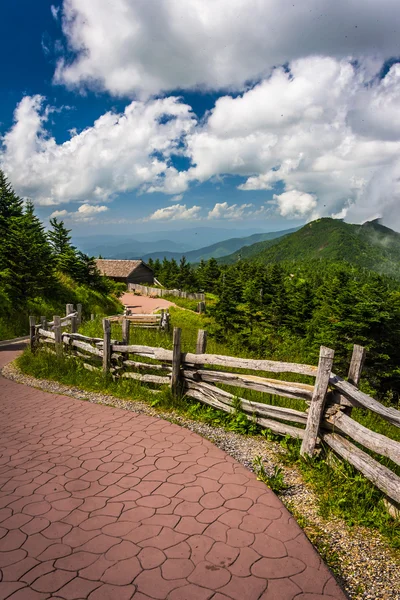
(28, 257)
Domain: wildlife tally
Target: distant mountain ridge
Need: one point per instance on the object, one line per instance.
(370, 245)
(220, 249)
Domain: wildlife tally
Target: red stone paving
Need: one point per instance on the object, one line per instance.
(103, 504)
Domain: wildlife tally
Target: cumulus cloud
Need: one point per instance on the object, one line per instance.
(178, 212)
(130, 48)
(120, 152)
(86, 212)
(304, 127)
(233, 212)
(295, 204)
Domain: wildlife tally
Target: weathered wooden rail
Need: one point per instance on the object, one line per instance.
(199, 375)
(160, 292)
(159, 321)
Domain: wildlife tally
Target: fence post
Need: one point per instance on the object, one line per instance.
(318, 401)
(176, 360)
(58, 335)
(79, 316)
(201, 343)
(106, 346)
(354, 374)
(125, 335)
(32, 333)
(74, 324)
(43, 322)
(69, 308)
(92, 316)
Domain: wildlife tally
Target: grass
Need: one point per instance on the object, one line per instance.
(341, 490)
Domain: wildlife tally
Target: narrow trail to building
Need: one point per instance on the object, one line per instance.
(144, 304)
(102, 503)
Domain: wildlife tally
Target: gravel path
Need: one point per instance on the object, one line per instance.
(366, 567)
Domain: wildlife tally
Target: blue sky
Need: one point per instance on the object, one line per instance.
(133, 116)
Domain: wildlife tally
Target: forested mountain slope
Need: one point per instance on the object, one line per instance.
(370, 245)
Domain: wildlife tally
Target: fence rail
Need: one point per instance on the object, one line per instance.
(329, 400)
(160, 292)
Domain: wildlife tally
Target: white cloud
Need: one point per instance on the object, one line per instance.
(178, 212)
(177, 198)
(295, 204)
(86, 212)
(233, 212)
(305, 128)
(120, 152)
(55, 11)
(130, 48)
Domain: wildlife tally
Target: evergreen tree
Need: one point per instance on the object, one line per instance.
(28, 258)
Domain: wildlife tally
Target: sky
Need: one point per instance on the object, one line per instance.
(124, 116)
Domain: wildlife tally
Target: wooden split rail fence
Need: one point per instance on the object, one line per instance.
(159, 321)
(161, 292)
(330, 399)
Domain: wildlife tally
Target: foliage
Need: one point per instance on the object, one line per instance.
(41, 271)
(275, 480)
(371, 246)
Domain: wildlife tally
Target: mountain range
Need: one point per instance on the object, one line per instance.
(370, 245)
(153, 247)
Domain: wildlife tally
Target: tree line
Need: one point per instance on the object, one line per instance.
(288, 310)
(35, 263)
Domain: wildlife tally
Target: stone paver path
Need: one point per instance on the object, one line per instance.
(102, 503)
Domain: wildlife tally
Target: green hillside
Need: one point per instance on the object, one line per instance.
(370, 245)
(219, 249)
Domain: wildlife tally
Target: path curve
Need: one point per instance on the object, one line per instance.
(144, 304)
(102, 503)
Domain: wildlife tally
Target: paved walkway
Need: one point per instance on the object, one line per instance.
(102, 503)
(144, 304)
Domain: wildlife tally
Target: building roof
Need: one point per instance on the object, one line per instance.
(118, 268)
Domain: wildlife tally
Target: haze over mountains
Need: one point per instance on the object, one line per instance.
(195, 243)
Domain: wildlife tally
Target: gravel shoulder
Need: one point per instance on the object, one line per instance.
(361, 560)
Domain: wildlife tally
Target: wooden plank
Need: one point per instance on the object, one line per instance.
(146, 366)
(86, 347)
(43, 322)
(147, 378)
(98, 359)
(275, 426)
(249, 363)
(288, 389)
(74, 324)
(106, 346)
(358, 398)
(57, 335)
(384, 479)
(201, 343)
(257, 408)
(354, 374)
(32, 333)
(69, 308)
(45, 340)
(45, 333)
(176, 360)
(148, 351)
(318, 401)
(79, 314)
(373, 441)
(83, 338)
